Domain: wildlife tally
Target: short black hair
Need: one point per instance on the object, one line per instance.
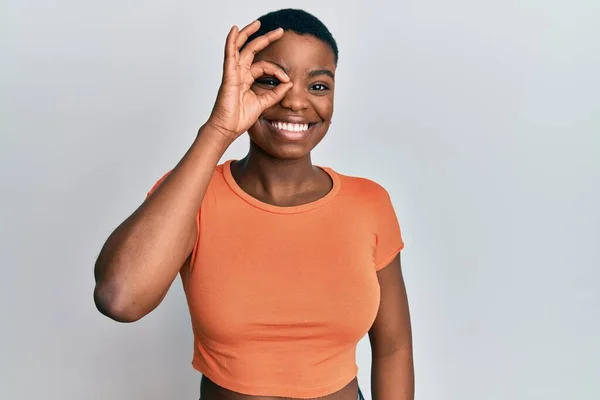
(299, 21)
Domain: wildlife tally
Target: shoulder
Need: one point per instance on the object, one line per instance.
(217, 177)
(362, 187)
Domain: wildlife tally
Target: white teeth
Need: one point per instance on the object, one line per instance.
(286, 126)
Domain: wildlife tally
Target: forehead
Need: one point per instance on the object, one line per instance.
(296, 51)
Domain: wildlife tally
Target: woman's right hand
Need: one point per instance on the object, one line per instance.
(237, 107)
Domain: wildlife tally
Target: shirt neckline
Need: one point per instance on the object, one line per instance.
(282, 209)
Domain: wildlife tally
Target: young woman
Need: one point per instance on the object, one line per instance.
(285, 265)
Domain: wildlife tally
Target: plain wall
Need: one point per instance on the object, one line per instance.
(482, 119)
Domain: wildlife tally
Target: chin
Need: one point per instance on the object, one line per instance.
(280, 151)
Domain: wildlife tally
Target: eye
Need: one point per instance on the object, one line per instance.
(319, 87)
(268, 81)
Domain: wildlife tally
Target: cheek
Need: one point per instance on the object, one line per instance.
(256, 132)
(325, 108)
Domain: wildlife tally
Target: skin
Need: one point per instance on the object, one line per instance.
(280, 76)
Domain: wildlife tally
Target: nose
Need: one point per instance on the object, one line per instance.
(296, 99)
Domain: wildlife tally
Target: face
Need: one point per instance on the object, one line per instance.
(291, 129)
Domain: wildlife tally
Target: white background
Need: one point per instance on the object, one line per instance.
(481, 118)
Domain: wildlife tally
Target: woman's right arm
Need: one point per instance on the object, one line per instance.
(143, 255)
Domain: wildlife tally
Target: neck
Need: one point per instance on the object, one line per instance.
(260, 173)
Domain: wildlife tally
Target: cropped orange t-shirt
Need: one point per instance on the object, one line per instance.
(279, 297)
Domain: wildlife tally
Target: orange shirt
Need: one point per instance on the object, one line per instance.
(279, 297)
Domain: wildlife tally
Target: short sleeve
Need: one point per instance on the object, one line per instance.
(387, 231)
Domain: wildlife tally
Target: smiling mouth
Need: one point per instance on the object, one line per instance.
(291, 131)
(290, 127)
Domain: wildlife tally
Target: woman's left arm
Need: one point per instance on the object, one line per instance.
(392, 372)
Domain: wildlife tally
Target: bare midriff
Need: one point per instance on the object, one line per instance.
(211, 391)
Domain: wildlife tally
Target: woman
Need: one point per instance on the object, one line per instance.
(285, 265)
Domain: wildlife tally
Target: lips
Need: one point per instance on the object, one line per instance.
(291, 130)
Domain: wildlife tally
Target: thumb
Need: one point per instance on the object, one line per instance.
(274, 96)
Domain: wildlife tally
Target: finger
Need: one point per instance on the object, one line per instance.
(262, 68)
(230, 61)
(258, 44)
(245, 33)
(272, 97)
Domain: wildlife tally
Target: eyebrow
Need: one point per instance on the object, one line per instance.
(319, 72)
(311, 74)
